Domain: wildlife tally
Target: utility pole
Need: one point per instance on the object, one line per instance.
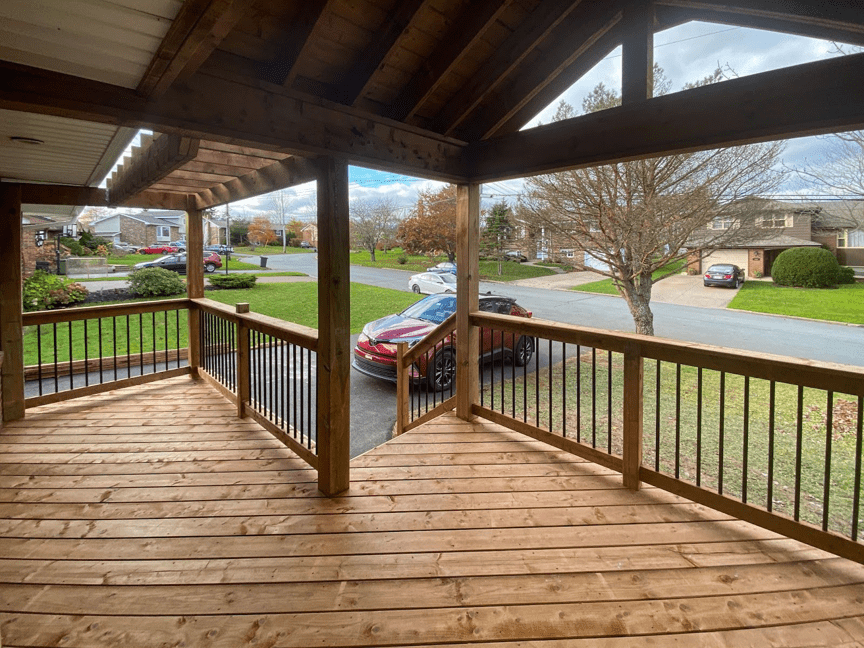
(227, 237)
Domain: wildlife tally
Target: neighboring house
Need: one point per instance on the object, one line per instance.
(215, 231)
(40, 242)
(840, 226)
(310, 233)
(148, 227)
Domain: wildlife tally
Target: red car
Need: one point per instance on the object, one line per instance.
(158, 249)
(375, 352)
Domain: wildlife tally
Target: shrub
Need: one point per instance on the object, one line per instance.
(846, 275)
(156, 282)
(92, 242)
(233, 281)
(44, 290)
(74, 246)
(806, 268)
(402, 259)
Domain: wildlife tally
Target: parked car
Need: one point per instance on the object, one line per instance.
(177, 263)
(120, 246)
(180, 245)
(724, 274)
(306, 245)
(158, 249)
(375, 352)
(219, 249)
(513, 255)
(431, 283)
(444, 266)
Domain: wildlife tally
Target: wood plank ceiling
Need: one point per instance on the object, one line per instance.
(416, 86)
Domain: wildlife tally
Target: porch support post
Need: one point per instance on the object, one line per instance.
(633, 402)
(334, 339)
(11, 331)
(194, 281)
(467, 297)
(637, 60)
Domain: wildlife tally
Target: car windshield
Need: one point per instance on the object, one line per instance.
(433, 309)
(720, 268)
(448, 278)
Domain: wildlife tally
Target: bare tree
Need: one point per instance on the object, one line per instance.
(637, 218)
(373, 222)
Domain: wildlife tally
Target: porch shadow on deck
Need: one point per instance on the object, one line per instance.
(151, 516)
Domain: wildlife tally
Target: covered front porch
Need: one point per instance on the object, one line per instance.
(152, 515)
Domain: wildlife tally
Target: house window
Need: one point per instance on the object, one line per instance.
(775, 221)
(163, 232)
(720, 223)
(568, 253)
(843, 238)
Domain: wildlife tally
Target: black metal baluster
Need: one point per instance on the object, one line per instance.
(71, 371)
(430, 367)
(176, 333)
(745, 454)
(799, 443)
(128, 350)
(657, 420)
(140, 343)
(593, 397)
(721, 439)
(309, 388)
(294, 389)
(56, 368)
(501, 352)
(699, 426)
(39, 354)
(153, 333)
(492, 371)
(537, 384)
(564, 389)
(609, 404)
(86, 354)
(282, 385)
(99, 325)
(550, 385)
(856, 497)
(114, 342)
(677, 420)
(272, 342)
(482, 377)
(314, 423)
(829, 433)
(513, 377)
(165, 321)
(771, 405)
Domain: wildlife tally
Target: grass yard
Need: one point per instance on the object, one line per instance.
(511, 271)
(606, 287)
(843, 304)
(597, 421)
(270, 249)
(418, 263)
(292, 302)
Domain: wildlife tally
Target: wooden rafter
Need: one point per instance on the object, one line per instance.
(282, 70)
(589, 23)
(243, 113)
(73, 195)
(395, 27)
(196, 31)
(150, 164)
(821, 97)
(468, 28)
(278, 175)
(507, 57)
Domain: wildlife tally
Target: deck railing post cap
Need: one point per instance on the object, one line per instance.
(242, 307)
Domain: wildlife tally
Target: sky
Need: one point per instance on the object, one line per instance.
(686, 53)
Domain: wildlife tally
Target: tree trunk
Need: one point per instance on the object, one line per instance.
(637, 294)
(372, 253)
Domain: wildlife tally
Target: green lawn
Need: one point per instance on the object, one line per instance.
(592, 419)
(842, 304)
(418, 263)
(511, 271)
(270, 249)
(606, 287)
(292, 302)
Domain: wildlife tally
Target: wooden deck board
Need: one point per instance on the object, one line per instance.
(203, 531)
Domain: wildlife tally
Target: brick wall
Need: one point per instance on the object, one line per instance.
(135, 232)
(30, 253)
(756, 262)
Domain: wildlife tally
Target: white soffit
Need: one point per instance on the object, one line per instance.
(111, 41)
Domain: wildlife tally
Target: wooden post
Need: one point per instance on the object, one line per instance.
(637, 60)
(334, 339)
(467, 297)
(244, 384)
(11, 330)
(633, 397)
(402, 379)
(194, 282)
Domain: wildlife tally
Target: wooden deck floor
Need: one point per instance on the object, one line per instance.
(152, 517)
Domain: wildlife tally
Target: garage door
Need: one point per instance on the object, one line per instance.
(735, 257)
(591, 262)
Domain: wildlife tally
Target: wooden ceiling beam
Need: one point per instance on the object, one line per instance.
(196, 31)
(395, 27)
(823, 21)
(510, 54)
(468, 28)
(280, 175)
(282, 70)
(150, 165)
(573, 38)
(240, 112)
(810, 99)
(72, 195)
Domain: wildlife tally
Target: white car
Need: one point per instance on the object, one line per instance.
(431, 283)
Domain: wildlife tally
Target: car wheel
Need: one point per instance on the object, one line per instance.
(441, 372)
(210, 267)
(738, 283)
(448, 291)
(524, 351)
(416, 288)
(705, 284)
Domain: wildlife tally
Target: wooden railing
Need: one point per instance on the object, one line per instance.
(426, 377)
(266, 366)
(771, 440)
(82, 351)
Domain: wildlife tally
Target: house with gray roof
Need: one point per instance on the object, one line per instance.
(142, 228)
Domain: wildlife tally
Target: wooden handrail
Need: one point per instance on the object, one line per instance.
(846, 379)
(93, 312)
(430, 340)
(298, 334)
